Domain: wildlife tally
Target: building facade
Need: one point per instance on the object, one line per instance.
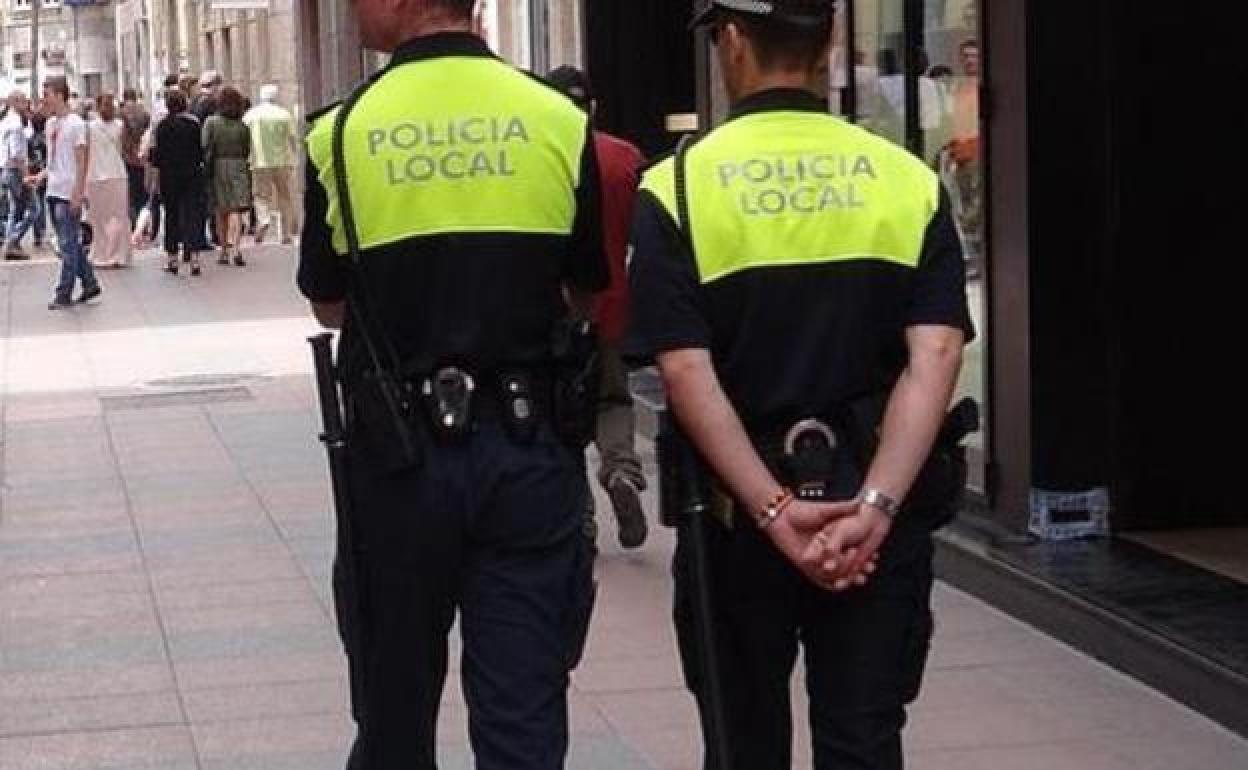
(536, 35)
(250, 42)
(75, 40)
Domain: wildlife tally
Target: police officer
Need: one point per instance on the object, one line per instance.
(801, 283)
(453, 218)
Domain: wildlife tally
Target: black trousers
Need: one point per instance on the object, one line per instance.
(136, 191)
(490, 529)
(864, 650)
(180, 198)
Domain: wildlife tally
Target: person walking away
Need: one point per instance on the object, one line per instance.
(179, 159)
(147, 226)
(66, 175)
(274, 150)
(15, 160)
(227, 146)
(809, 337)
(136, 120)
(472, 501)
(38, 146)
(108, 189)
(205, 102)
(619, 473)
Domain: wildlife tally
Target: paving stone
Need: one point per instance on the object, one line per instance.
(163, 748)
(110, 712)
(205, 532)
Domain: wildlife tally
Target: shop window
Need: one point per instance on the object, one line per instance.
(909, 70)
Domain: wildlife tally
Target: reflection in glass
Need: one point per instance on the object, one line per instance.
(879, 43)
(940, 63)
(951, 144)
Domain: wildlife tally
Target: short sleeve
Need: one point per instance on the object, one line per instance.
(322, 274)
(669, 309)
(939, 293)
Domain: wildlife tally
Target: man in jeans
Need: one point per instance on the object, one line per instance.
(274, 145)
(68, 150)
(14, 160)
(620, 472)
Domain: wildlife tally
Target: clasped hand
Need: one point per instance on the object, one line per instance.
(835, 545)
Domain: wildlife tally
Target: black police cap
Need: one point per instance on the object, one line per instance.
(794, 12)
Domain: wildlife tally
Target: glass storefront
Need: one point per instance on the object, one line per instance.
(913, 75)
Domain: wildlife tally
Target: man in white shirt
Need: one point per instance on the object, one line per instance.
(14, 160)
(68, 154)
(274, 145)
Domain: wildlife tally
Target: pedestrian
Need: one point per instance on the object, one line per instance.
(179, 158)
(136, 120)
(15, 161)
(473, 499)
(798, 278)
(619, 472)
(205, 102)
(147, 225)
(38, 146)
(156, 204)
(274, 150)
(227, 146)
(107, 188)
(66, 175)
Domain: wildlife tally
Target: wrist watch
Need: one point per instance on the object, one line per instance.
(881, 502)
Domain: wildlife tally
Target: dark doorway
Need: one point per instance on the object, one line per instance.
(641, 60)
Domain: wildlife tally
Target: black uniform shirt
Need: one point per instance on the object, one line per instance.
(798, 340)
(482, 299)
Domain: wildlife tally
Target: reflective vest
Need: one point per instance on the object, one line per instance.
(454, 145)
(782, 188)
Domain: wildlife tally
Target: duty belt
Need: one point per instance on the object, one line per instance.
(454, 399)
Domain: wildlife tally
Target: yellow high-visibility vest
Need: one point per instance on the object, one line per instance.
(453, 145)
(790, 187)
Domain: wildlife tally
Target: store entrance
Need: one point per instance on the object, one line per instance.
(641, 61)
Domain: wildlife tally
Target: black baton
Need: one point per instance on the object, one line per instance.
(333, 436)
(686, 496)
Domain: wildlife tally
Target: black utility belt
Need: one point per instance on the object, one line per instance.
(454, 400)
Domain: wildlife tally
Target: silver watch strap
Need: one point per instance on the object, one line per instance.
(877, 499)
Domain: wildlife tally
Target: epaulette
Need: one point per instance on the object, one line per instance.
(656, 160)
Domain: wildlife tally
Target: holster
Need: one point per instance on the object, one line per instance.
(382, 415)
(575, 350)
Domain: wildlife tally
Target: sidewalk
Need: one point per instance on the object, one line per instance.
(165, 539)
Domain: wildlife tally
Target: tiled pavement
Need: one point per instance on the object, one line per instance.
(163, 562)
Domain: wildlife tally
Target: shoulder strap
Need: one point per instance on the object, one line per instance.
(359, 303)
(682, 188)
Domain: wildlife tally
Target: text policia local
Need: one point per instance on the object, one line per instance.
(801, 184)
(474, 147)
(457, 149)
